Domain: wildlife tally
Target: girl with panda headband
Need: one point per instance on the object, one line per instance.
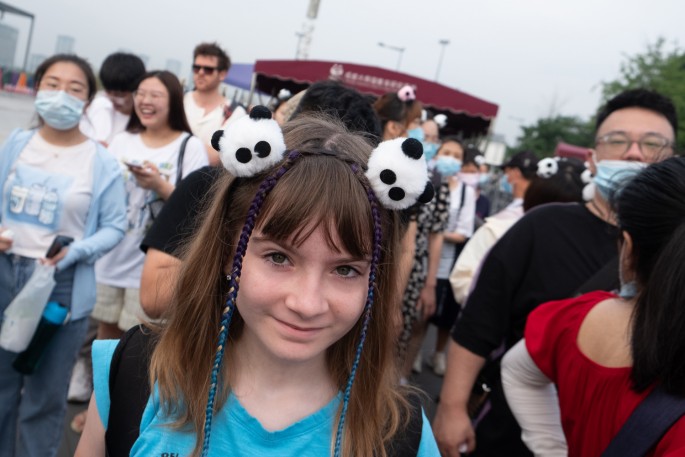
(280, 340)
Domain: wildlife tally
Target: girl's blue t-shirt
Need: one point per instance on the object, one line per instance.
(234, 430)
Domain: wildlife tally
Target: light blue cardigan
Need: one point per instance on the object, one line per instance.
(105, 222)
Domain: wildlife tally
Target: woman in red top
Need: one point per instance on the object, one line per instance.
(606, 352)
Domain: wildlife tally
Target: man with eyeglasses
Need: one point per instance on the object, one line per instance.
(206, 108)
(547, 255)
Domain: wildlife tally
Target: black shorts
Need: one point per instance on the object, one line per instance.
(446, 307)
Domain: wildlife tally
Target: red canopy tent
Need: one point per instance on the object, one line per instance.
(466, 114)
(570, 150)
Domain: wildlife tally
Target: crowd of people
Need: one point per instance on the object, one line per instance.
(259, 280)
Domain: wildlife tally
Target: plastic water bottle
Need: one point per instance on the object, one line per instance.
(52, 319)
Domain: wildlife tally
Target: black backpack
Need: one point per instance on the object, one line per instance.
(129, 391)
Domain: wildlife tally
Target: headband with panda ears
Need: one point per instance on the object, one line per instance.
(396, 169)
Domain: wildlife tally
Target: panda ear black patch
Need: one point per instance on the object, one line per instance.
(215, 139)
(397, 176)
(412, 148)
(260, 112)
(250, 144)
(428, 193)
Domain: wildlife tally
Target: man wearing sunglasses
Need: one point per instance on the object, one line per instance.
(206, 108)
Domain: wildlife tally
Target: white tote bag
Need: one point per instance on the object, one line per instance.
(22, 316)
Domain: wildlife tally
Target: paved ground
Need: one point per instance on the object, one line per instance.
(16, 110)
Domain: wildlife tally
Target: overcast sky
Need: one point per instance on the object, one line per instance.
(529, 57)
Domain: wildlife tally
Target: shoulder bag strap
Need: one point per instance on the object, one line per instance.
(406, 443)
(652, 418)
(129, 390)
(179, 163)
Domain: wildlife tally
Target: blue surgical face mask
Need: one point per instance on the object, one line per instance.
(416, 133)
(58, 109)
(447, 165)
(505, 186)
(483, 179)
(429, 150)
(628, 290)
(612, 173)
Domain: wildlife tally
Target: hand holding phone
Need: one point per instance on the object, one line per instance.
(58, 243)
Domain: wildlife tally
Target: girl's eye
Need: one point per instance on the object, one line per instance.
(346, 271)
(278, 258)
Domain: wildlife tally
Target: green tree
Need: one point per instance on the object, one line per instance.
(661, 68)
(543, 136)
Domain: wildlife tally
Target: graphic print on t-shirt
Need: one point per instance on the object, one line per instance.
(35, 197)
(139, 200)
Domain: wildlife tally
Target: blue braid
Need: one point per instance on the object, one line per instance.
(234, 280)
(375, 259)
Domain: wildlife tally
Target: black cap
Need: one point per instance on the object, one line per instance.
(526, 161)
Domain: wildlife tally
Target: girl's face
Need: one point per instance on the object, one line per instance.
(297, 301)
(451, 149)
(66, 76)
(151, 102)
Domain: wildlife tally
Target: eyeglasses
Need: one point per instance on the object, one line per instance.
(651, 144)
(206, 69)
(141, 94)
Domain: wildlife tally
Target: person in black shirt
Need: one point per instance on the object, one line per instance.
(547, 255)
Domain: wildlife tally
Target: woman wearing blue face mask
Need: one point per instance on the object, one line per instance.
(55, 182)
(450, 161)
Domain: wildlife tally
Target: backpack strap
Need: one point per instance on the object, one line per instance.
(179, 163)
(652, 418)
(129, 390)
(406, 442)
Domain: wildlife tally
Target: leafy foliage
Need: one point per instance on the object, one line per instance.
(543, 136)
(660, 68)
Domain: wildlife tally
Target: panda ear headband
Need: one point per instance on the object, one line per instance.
(396, 169)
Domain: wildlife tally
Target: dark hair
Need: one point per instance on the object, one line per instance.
(71, 58)
(651, 208)
(471, 152)
(341, 102)
(177, 115)
(213, 50)
(564, 186)
(121, 71)
(640, 98)
(390, 107)
(453, 139)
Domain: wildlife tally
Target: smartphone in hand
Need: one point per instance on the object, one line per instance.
(59, 242)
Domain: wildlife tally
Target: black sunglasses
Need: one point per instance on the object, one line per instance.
(208, 70)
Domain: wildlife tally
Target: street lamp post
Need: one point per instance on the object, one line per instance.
(443, 44)
(400, 51)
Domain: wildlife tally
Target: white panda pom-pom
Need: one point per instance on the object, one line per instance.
(589, 191)
(250, 144)
(398, 174)
(547, 167)
(586, 176)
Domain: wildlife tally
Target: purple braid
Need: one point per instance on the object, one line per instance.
(375, 259)
(234, 281)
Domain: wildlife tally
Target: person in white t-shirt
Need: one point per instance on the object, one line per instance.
(108, 114)
(150, 153)
(206, 108)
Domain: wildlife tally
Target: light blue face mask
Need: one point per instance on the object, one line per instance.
(613, 173)
(429, 150)
(628, 290)
(416, 133)
(505, 186)
(447, 165)
(58, 109)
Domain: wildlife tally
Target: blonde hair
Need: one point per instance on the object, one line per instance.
(319, 190)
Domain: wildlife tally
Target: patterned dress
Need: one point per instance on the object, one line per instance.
(430, 218)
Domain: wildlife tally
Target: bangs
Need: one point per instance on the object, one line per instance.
(335, 201)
